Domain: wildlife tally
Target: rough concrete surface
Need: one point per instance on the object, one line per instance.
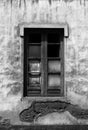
(15, 12)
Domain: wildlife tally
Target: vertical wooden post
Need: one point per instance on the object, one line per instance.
(44, 64)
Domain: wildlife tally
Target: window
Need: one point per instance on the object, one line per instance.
(43, 60)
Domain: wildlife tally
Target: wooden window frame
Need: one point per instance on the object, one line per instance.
(66, 33)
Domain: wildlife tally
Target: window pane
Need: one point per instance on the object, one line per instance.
(33, 38)
(33, 92)
(34, 67)
(53, 50)
(54, 66)
(53, 38)
(54, 92)
(34, 51)
(53, 80)
(53, 87)
(34, 81)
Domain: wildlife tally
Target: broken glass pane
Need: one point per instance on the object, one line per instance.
(34, 67)
(54, 66)
(32, 37)
(53, 80)
(53, 50)
(53, 38)
(35, 38)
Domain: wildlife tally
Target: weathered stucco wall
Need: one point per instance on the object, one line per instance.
(15, 12)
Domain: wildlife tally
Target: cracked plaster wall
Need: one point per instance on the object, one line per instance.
(15, 12)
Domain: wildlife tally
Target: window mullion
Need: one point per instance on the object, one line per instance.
(62, 65)
(44, 64)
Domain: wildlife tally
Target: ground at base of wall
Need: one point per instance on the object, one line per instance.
(9, 119)
(46, 127)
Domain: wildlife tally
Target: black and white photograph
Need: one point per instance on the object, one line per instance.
(43, 64)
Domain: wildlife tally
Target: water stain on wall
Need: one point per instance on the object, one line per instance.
(13, 13)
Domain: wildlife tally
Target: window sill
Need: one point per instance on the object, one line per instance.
(45, 99)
